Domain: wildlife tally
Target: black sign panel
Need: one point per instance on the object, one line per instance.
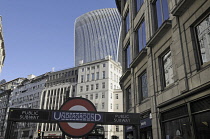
(29, 115)
(106, 118)
(74, 116)
(145, 123)
(122, 118)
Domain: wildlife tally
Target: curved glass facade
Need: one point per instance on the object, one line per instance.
(96, 35)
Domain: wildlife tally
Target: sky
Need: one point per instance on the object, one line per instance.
(39, 34)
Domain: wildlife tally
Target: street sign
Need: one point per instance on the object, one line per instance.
(76, 129)
(29, 115)
(121, 118)
(80, 112)
(74, 116)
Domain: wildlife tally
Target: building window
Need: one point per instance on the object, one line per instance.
(91, 87)
(87, 87)
(86, 96)
(203, 37)
(93, 67)
(128, 56)
(103, 85)
(91, 96)
(111, 106)
(81, 88)
(104, 65)
(96, 86)
(93, 76)
(167, 69)
(161, 12)
(96, 96)
(111, 74)
(116, 96)
(102, 106)
(127, 22)
(141, 35)
(82, 78)
(142, 86)
(128, 97)
(111, 86)
(97, 75)
(88, 77)
(103, 75)
(117, 128)
(97, 66)
(139, 3)
(117, 106)
(103, 95)
(96, 105)
(88, 68)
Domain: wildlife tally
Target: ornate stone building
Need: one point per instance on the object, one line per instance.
(165, 53)
(2, 49)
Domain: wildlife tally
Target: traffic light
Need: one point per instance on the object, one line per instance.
(39, 132)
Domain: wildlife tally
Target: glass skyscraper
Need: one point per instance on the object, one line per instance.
(96, 35)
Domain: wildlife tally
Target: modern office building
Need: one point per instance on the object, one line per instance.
(97, 35)
(5, 91)
(60, 86)
(2, 49)
(98, 81)
(27, 95)
(165, 59)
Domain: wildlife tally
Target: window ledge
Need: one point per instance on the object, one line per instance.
(125, 75)
(181, 7)
(144, 101)
(140, 56)
(166, 26)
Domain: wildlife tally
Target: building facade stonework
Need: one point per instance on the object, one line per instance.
(98, 81)
(60, 85)
(165, 54)
(26, 95)
(2, 48)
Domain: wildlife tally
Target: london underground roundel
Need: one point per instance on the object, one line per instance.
(77, 129)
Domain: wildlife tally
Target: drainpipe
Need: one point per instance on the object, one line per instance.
(155, 100)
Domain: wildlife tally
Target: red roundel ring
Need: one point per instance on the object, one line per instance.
(68, 130)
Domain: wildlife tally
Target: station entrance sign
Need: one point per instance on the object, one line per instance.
(77, 117)
(76, 129)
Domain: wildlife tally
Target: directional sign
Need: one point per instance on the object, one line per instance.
(121, 118)
(76, 129)
(29, 115)
(73, 116)
(80, 112)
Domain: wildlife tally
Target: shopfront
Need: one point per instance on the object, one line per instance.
(129, 132)
(146, 128)
(189, 120)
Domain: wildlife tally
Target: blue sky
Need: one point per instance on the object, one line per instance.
(39, 34)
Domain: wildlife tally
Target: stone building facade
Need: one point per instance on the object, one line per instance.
(5, 92)
(60, 85)
(98, 81)
(27, 95)
(2, 48)
(165, 54)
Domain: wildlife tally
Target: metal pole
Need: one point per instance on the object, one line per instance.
(63, 136)
(9, 129)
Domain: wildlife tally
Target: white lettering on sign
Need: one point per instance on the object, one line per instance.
(121, 118)
(29, 115)
(143, 123)
(74, 116)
